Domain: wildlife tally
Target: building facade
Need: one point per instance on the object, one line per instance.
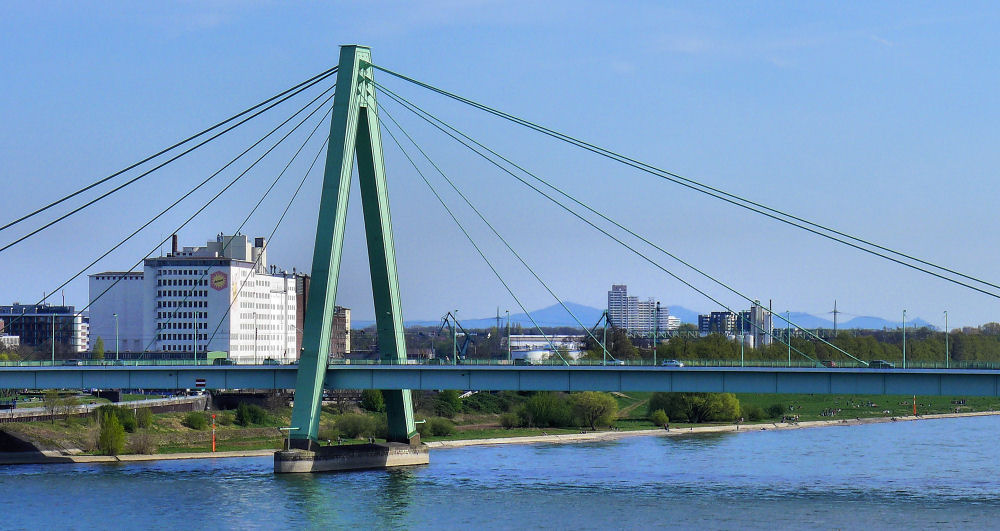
(40, 324)
(634, 315)
(219, 297)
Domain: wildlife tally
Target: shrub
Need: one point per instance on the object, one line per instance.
(659, 418)
(249, 415)
(126, 417)
(144, 417)
(195, 420)
(328, 434)
(448, 404)
(372, 400)
(509, 420)
(775, 411)
(111, 439)
(225, 418)
(753, 412)
(440, 427)
(546, 409)
(487, 403)
(142, 443)
(354, 425)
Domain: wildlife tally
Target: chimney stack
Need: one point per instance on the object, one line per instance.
(173, 245)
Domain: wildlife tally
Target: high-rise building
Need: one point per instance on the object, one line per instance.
(38, 324)
(717, 323)
(634, 315)
(219, 297)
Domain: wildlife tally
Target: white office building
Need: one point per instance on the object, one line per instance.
(219, 297)
(636, 316)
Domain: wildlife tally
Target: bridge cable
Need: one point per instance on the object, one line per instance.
(315, 79)
(201, 277)
(268, 242)
(178, 201)
(488, 224)
(174, 204)
(474, 244)
(206, 205)
(427, 117)
(759, 208)
(627, 246)
(146, 173)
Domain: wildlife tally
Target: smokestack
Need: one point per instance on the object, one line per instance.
(173, 245)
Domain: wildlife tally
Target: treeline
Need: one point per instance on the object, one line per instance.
(922, 345)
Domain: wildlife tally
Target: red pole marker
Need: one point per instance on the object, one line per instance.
(213, 432)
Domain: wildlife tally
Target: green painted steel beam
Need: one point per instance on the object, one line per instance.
(354, 129)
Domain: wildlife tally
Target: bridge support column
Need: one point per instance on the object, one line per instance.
(354, 130)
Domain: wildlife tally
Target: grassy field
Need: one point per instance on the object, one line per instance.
(168, 433)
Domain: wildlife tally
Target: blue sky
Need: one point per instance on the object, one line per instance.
(878, 120)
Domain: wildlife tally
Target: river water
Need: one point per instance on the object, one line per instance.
(928, 474)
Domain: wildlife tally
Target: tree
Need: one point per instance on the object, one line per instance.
(593, 408)
(51, 401)
(546, 409)
(696, 407)
(448, 403)
(372, 400)
(99, 348)
(111, 439)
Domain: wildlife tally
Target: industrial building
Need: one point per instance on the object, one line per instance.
(222, 296)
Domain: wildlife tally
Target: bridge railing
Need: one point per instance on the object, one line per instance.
(983, 365)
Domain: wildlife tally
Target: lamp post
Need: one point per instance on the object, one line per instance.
(116, 335)
(53, 339)
(788, 332)
(509, 358)
(947, 356)
(255, 338)
(904, 339)
(454, 338)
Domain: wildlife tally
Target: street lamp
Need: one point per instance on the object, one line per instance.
(508, 335)
(116, 335)
(947, 357)
(904, 339)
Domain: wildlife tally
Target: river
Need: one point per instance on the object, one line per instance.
(926, 474)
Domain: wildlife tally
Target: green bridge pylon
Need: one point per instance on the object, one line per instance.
(354, 129)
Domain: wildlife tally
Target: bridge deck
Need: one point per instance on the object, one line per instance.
(947, 382)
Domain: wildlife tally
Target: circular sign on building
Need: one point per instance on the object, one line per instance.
(219, 280)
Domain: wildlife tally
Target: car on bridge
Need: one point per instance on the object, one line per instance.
(880, 364)
(672, 363)
(73, 363)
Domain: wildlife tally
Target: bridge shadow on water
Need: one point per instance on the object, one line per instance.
(335, 500)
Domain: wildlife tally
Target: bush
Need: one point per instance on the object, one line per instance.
(486, 403)
(659, 418)
(436, 426)
(372, 400)
(775, 411)
(111, 439)
(328, 434)
(509, 420)
(195, 420)
(225, 418)
(546, 409)
(440, 427)
(753, 412)
(354, 425)
(126, 417)
(448, 404)
(144, 417)
(250, 415)
(142, 443)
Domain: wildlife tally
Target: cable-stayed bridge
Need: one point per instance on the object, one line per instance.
(357, 119)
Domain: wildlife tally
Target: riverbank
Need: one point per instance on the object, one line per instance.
(49, 457)
(718, 428)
